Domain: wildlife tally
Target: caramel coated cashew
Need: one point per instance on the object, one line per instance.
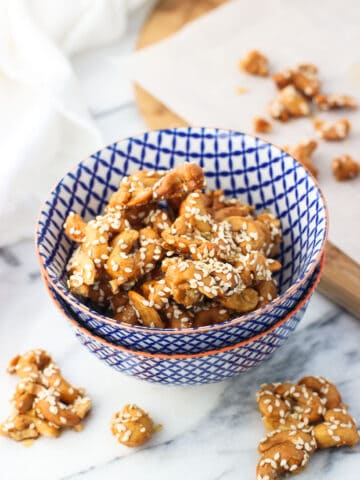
(248, 233)
(211, 315)
(192, 232)
(271, 227)
(267, 292)
(286, 405)
(259, 266)
(29, 364)
(217, 199)
(157, 293)
(52, 378)
(136, 189)
(302, 440)
(93, 250)
(278, 111)
(305, 402)
(255, 63)
(118, 301)
(137, 217)
(127, 314)
(339, 415)
(345, 168)
(332, 131)
(56, 412)
(158, 219)
(194, 209)
(325, 389)
(96, 241)
(19, 427)
(82, 272)
(124, 241)
(25, 394)
(150, 250)
(179, 181)
(189, 280)
(271, 405)
(100, 292)
(132, 426)
(146, 186)
(82, 406)
(338, 430)
(241, 302)
(261, 125)
(304, 77)
(148, 316)
(238, 210)
(291, 421)
(334, 102)
(75, 227)
(276, 462)
(121, 265)
(45, 428)
(125, 267)
(294, 102)
(179, 278)
(190, 246)
(113, 221)
(178, 317)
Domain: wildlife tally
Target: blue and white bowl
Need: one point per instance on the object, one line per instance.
(246, 168)
(191, 369)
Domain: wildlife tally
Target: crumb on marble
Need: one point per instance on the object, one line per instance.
(345, 168)
(255, 63)
(261, 125)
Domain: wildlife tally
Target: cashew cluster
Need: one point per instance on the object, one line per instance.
(202, 260)
(300, 418)
(44, 402)
(132, 426)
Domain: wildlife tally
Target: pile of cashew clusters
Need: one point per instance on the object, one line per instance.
(44, 403)
(168, 254)
(301, 418)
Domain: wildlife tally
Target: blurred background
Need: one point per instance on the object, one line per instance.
(63, 94)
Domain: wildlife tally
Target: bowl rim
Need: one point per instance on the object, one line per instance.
(73, 300)
(183, 356)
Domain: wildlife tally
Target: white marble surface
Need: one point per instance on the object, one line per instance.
(210, 432)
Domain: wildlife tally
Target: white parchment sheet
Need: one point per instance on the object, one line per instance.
(196, 74)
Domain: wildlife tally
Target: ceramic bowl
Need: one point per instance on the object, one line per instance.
(246, 168)
(191, 369)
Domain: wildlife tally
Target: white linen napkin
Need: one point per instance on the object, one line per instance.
(196, 74)
(45, 127)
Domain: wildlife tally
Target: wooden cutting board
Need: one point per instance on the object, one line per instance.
(166, 18)
(341, 277)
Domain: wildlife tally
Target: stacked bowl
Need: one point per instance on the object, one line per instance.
(246, 168)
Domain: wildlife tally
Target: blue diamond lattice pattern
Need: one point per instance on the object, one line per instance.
(189, 343)
(191, 370)
(245, 167)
